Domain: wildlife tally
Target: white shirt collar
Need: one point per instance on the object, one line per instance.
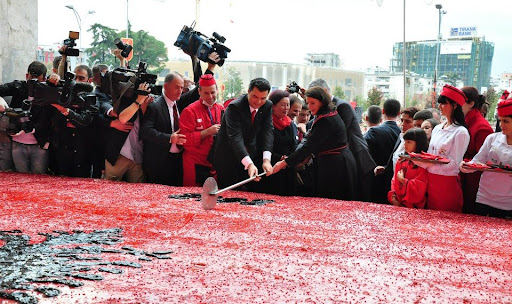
(169, 102)
(206, 104)
(449, 128)
(502, 138)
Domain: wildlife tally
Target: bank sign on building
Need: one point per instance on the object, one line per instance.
(464, 31)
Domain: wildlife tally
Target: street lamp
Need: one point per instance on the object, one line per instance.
(79, 20)
(438, 7)
(127, 21)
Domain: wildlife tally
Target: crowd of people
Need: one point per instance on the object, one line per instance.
(307, 143)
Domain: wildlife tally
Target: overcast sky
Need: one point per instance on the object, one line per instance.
(360, 31)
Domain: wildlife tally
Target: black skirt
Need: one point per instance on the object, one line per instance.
(335, 175)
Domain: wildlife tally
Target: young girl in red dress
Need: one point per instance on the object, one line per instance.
(409, 185)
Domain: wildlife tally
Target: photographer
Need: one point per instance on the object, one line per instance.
(30, 137)
(123, 150)
(6, 163)
(105, 118)
(63, 65)
(71, 137)
(55, 64)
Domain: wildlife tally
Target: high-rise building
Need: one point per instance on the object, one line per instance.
(460, 59)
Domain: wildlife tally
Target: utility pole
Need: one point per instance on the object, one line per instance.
(438, 7)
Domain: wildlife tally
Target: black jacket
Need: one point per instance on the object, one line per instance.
(335, 173)
(356, 142)
(40, 115)
(116, 138)
(160, 166)
(238, 137)
(381, 140)
(359, 148)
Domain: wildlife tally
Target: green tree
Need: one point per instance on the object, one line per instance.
(374, 97)
(360, 100)
(148, 49)
(103, 42)
(339, 92)
(429, 100)
(452, 78)
(492, 97)
(233, 83)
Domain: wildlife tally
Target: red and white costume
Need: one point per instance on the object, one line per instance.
(444, 190)
(495, 188)
(194, 119)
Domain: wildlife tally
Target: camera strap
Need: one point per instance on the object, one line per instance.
(117, 100)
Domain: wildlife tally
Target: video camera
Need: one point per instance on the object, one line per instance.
(67, 93)
(120, 78)
(293, 87)
(20, 119)
(70, 43)
(194, 43)
(124, 47)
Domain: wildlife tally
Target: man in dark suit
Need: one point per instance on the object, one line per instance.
(406, 123)
(160, 135)
(163, 143)
(356, 143)
(381, 141)
(246, 137)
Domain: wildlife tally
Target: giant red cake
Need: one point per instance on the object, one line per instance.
(156, 249)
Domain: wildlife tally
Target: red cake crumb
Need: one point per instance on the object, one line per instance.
(296, 249)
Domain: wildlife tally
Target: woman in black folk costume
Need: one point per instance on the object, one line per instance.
(335, 170)
(285, 142)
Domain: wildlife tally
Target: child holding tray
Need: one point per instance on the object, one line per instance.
(494, 197)
(450, 140)
(409, 185)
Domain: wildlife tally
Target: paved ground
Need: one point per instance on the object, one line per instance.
(293, 250)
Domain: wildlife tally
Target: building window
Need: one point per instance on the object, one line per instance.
(348, 94)
(164, 72)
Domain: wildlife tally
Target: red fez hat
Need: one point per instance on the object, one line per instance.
(505, 107)
(207, 80)
(454, 94)
(504, 95)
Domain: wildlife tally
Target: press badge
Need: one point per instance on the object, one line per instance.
(199, 124)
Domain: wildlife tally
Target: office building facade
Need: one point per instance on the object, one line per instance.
(460, 59)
